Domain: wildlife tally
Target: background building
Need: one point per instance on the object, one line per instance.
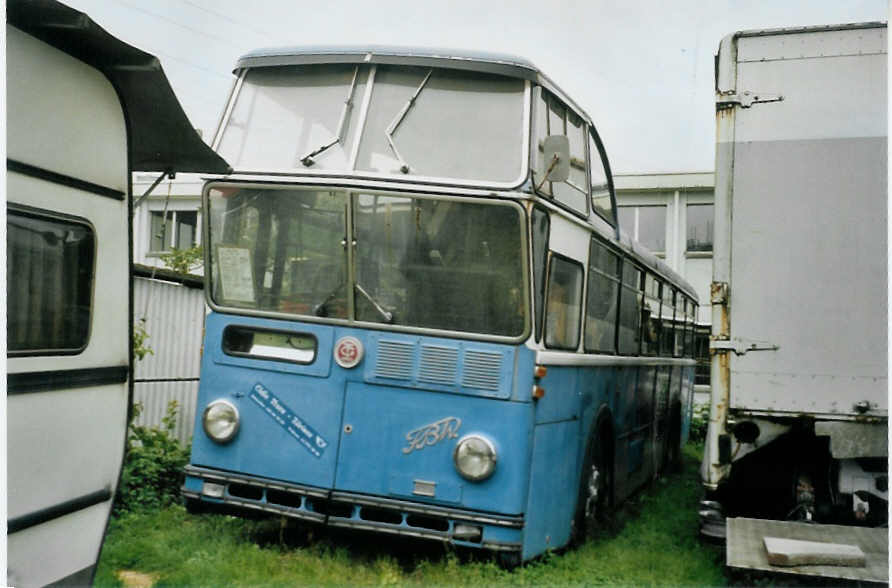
(180, 201)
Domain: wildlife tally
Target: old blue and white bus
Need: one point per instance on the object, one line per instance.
(424, 320)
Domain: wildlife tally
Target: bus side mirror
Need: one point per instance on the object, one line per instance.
(556, 149)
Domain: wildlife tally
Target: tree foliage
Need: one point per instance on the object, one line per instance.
(183, 261)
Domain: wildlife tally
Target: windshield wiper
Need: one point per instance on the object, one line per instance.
(307, 159)
(387, 316)
(319, 309)
(391, 129)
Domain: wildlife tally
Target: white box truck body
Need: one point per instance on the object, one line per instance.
(799, 400)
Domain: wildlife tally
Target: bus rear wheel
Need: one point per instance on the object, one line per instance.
(594, 503)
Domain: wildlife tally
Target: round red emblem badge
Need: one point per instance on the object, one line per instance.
(348, 352)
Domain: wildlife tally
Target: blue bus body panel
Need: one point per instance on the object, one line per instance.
(565, 416)
(553, 488)
(400, 436)
(379, 427)
(264, 445)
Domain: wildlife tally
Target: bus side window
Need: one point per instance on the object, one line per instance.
(564, 303)
(667, 315)
(650, 316)
(554, 118)
(600, 186)
(691, 319)
(539, 238)
(683, 304)
(630, 310)
(602, 299)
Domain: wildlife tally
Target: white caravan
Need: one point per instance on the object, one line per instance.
(83, 111)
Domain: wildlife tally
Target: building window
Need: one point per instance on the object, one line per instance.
(49, 283)
(180, 230)
(699, 227)
(645, 224)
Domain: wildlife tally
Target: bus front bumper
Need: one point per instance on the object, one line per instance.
(217, 490)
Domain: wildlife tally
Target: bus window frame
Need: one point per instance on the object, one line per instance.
(667, 322)
(552, 255)
(537, 100)
(537, 298)
(518, 183)
(526, 267)
(653, 349)
(593, 134)
(638, 289)
(264, 330)
(619, 282)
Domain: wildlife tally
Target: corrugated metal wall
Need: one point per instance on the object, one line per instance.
(174, 322)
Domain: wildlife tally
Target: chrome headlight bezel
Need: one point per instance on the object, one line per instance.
(233, 428)
(484, 448)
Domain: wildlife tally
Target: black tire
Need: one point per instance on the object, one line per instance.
(594, 505)
(508, 560)
(195, 506)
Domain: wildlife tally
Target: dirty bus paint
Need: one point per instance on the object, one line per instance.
(418, 258)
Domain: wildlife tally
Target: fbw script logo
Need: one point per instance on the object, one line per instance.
(348, 352)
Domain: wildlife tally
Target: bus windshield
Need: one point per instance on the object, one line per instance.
(422, 122)
(434, 263)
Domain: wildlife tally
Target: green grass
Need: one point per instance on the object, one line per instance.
(653, 541)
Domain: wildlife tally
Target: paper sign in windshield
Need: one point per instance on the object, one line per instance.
(236, 278)
(293, 424)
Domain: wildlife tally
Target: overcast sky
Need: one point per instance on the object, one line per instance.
(643, 70)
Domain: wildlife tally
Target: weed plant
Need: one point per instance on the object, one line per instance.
(152, 474)
(699, 423)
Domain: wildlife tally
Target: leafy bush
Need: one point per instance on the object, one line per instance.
(699, 423)
(153, 465)
(184, 260)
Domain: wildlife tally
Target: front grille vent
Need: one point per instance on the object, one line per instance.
(482, 369)
(394, 360)
(438, 364)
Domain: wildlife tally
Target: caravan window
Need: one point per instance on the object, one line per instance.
(49, 283)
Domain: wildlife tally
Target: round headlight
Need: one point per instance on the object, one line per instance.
(475, 458)
(220, 421)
